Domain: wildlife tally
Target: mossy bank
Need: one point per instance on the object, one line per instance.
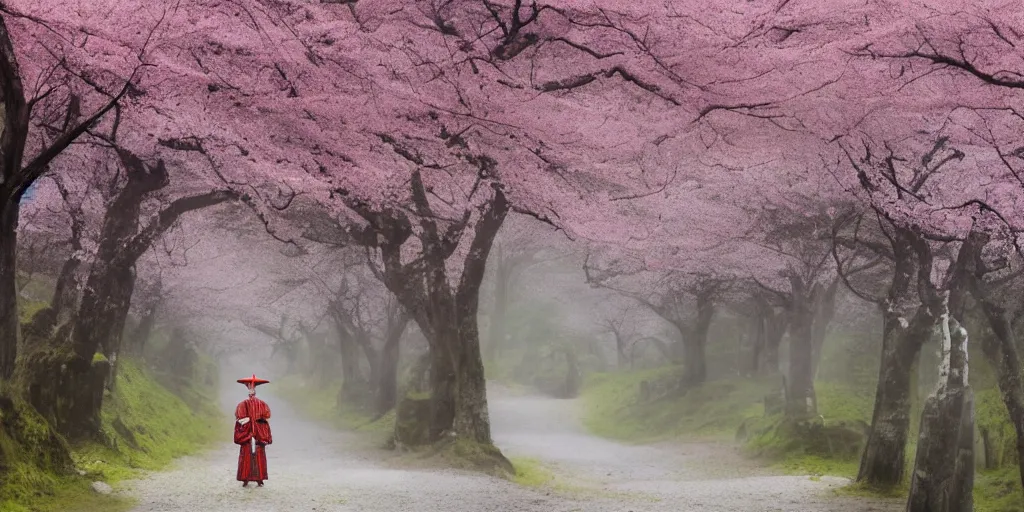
(627, 406)
(148, 419)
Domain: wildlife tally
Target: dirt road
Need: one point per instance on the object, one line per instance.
(316, 469)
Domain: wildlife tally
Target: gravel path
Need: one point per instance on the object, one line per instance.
(316, 469)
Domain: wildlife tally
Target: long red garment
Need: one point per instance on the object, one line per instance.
(252, 464)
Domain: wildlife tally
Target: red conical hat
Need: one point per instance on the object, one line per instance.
(252, 381)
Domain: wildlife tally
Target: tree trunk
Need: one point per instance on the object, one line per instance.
(1001, 352)
(696, 357)
(10, 325)
(882, 462)
(446, 314)
(623, 361)
(471, 419)
(373, 364)
(800, 399)
(353, 385)
(387, 386)
(571, 386)
(824, 311)
(756, 335)
(694, 363)
(122, 290)
(776, 325)
(443, 392)
(140, 336)
(943, 476)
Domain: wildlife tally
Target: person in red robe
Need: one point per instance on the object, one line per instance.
(252, 434)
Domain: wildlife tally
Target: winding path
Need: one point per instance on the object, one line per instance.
(316, 469)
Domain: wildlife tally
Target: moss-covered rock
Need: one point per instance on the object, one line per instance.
(33, 457)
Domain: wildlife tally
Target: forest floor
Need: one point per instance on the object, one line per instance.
(315, 468)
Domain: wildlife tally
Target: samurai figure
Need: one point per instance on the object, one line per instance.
(252, 434)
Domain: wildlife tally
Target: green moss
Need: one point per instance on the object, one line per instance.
(612, 409)
(470, 455)
(717, 409)
(98, 357)
(36, 474)
(145, 426)
(28, 308)
(71, 494)
(38, 287)
(531, 473)
(998, 491)
(839, 402)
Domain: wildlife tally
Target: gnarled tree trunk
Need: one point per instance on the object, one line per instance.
(884, 457)
(1000, 349)
(387, 386)
(1001, 352)
(882, 462)
(445, 313)
(10, 326)
(943, 476)
(106, 298)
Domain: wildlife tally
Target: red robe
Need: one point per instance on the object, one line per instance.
(252, 465)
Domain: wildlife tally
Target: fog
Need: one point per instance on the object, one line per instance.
(497, 255)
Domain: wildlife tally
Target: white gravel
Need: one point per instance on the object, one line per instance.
(316, 469)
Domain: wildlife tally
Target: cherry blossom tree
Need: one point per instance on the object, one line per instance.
(57, 83)
(99, 322)
(971, 51)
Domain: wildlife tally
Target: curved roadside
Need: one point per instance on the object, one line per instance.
(313, 467)
(664, 476)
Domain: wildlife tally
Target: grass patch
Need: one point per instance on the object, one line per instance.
(713, 411)
(70, 494)
(532, 472)
(998, 491)
(36, 476)
(320, 403)
(827, 445)
(145, 426)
